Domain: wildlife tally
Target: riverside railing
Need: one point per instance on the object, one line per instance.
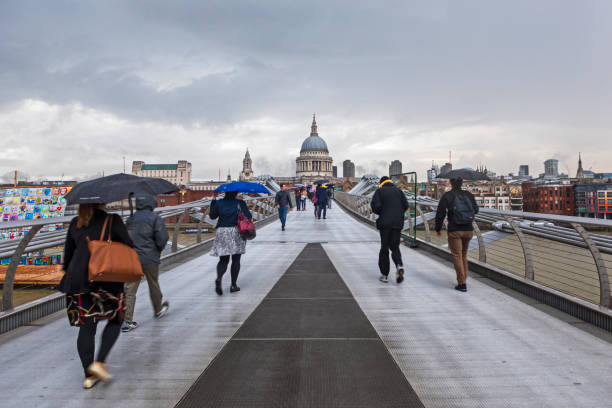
(571, 255)
(261, 208)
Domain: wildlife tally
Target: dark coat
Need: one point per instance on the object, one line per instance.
(282, 199)
(76, 254)
(445, 208)
(390, 203)
(227, 211)
(322, 196)
(148, 231)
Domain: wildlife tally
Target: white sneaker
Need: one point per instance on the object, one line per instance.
(383, 279)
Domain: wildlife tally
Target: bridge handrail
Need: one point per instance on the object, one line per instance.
(518, 223)
(260, 207)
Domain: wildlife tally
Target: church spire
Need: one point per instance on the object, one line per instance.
(580, 172)
(313, 128)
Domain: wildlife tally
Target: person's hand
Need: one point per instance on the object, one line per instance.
(291, 209)
(278, 206)
(438, 233)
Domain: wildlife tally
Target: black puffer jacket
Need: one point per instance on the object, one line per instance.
(148, 231)
(390, 203)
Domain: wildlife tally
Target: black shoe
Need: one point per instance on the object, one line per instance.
(461, 288)
(400, 274)
(218, 287)
(234, 288)
(283, 228)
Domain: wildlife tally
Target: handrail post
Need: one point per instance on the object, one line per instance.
(482, 253)
(177, 227)
(199, 236)
(425, 223)
(604, 281)
(9, 278)
(529, 272)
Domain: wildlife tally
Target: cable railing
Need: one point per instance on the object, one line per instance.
(195, 213)
(571, 255)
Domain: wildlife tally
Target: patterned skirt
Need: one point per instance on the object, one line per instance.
(228, 242)
(97, 305)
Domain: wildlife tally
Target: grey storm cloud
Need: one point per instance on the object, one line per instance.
(505, 83)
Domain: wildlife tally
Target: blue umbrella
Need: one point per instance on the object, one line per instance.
(242, 187)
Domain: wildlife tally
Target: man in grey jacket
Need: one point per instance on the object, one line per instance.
(148, 232)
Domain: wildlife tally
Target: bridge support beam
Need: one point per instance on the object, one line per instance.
(177, 228)
(529, 271)
(482, 253)
(425, 223)
(9, 278)
(604, 280)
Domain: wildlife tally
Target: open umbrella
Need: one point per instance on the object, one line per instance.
(242, 187)
(465, 174)
(299, 185)
(322, 181)
(117, 187)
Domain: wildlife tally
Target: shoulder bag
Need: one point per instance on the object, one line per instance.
(112, 261)
(245, 226)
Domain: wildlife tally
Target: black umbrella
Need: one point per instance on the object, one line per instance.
(322, 181)
(117, 187)
(465, 174)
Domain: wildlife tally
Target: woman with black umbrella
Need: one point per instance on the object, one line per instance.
(89, 302)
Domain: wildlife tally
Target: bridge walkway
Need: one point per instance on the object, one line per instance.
(485, 348)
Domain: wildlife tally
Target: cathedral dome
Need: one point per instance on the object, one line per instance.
(314, 142)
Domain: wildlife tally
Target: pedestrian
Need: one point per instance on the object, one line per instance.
(297, 197)
(390, 203)
(322, 199)
(460, 207)
(313, 199)
(89, 302)
(148, 232)
(304, 196)
(228, 242)
(283, 203)
(330, 195)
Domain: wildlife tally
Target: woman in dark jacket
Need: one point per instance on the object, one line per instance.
(89, 302)
(228, 241)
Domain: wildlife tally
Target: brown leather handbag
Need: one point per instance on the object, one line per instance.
(112, 261)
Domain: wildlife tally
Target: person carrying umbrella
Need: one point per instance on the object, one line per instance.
(89, 302)
(322, 199)
(460, 207)
(228, 243)
(283, 203)
(148, 231)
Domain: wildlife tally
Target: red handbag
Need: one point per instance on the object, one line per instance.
(245, 226)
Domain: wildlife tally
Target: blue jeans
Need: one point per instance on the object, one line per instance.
(282, 215)
(322, 208)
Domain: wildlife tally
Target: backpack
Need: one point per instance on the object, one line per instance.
(462, 209)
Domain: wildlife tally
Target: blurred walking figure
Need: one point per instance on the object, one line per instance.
(283, 203)
(390, 203)
(228, 242)
(303, 198)
(460, 207)
(148, 232)
(89, 302)
(322, 200)
(297, 197)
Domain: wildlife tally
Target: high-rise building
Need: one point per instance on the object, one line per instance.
(433, 172)
(348, 169)
(335, 171)
(446, 167)
(395, 168)
(247, 169)
(551, 168)
(523, 170)
(178, 174)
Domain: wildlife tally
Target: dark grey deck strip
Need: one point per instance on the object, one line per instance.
(316, 349)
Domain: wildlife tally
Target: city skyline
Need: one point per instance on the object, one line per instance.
(499, 84)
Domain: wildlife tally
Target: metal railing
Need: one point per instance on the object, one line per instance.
(260, 207)
(571, 255)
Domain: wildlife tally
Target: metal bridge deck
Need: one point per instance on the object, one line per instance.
(486, 348)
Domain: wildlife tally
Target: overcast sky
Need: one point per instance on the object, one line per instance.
(503, 83)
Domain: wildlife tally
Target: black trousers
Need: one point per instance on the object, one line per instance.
(390, 239)
(222, 267)
(86, 342)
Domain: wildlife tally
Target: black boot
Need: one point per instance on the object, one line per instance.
(234, 288)
(218, 287)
